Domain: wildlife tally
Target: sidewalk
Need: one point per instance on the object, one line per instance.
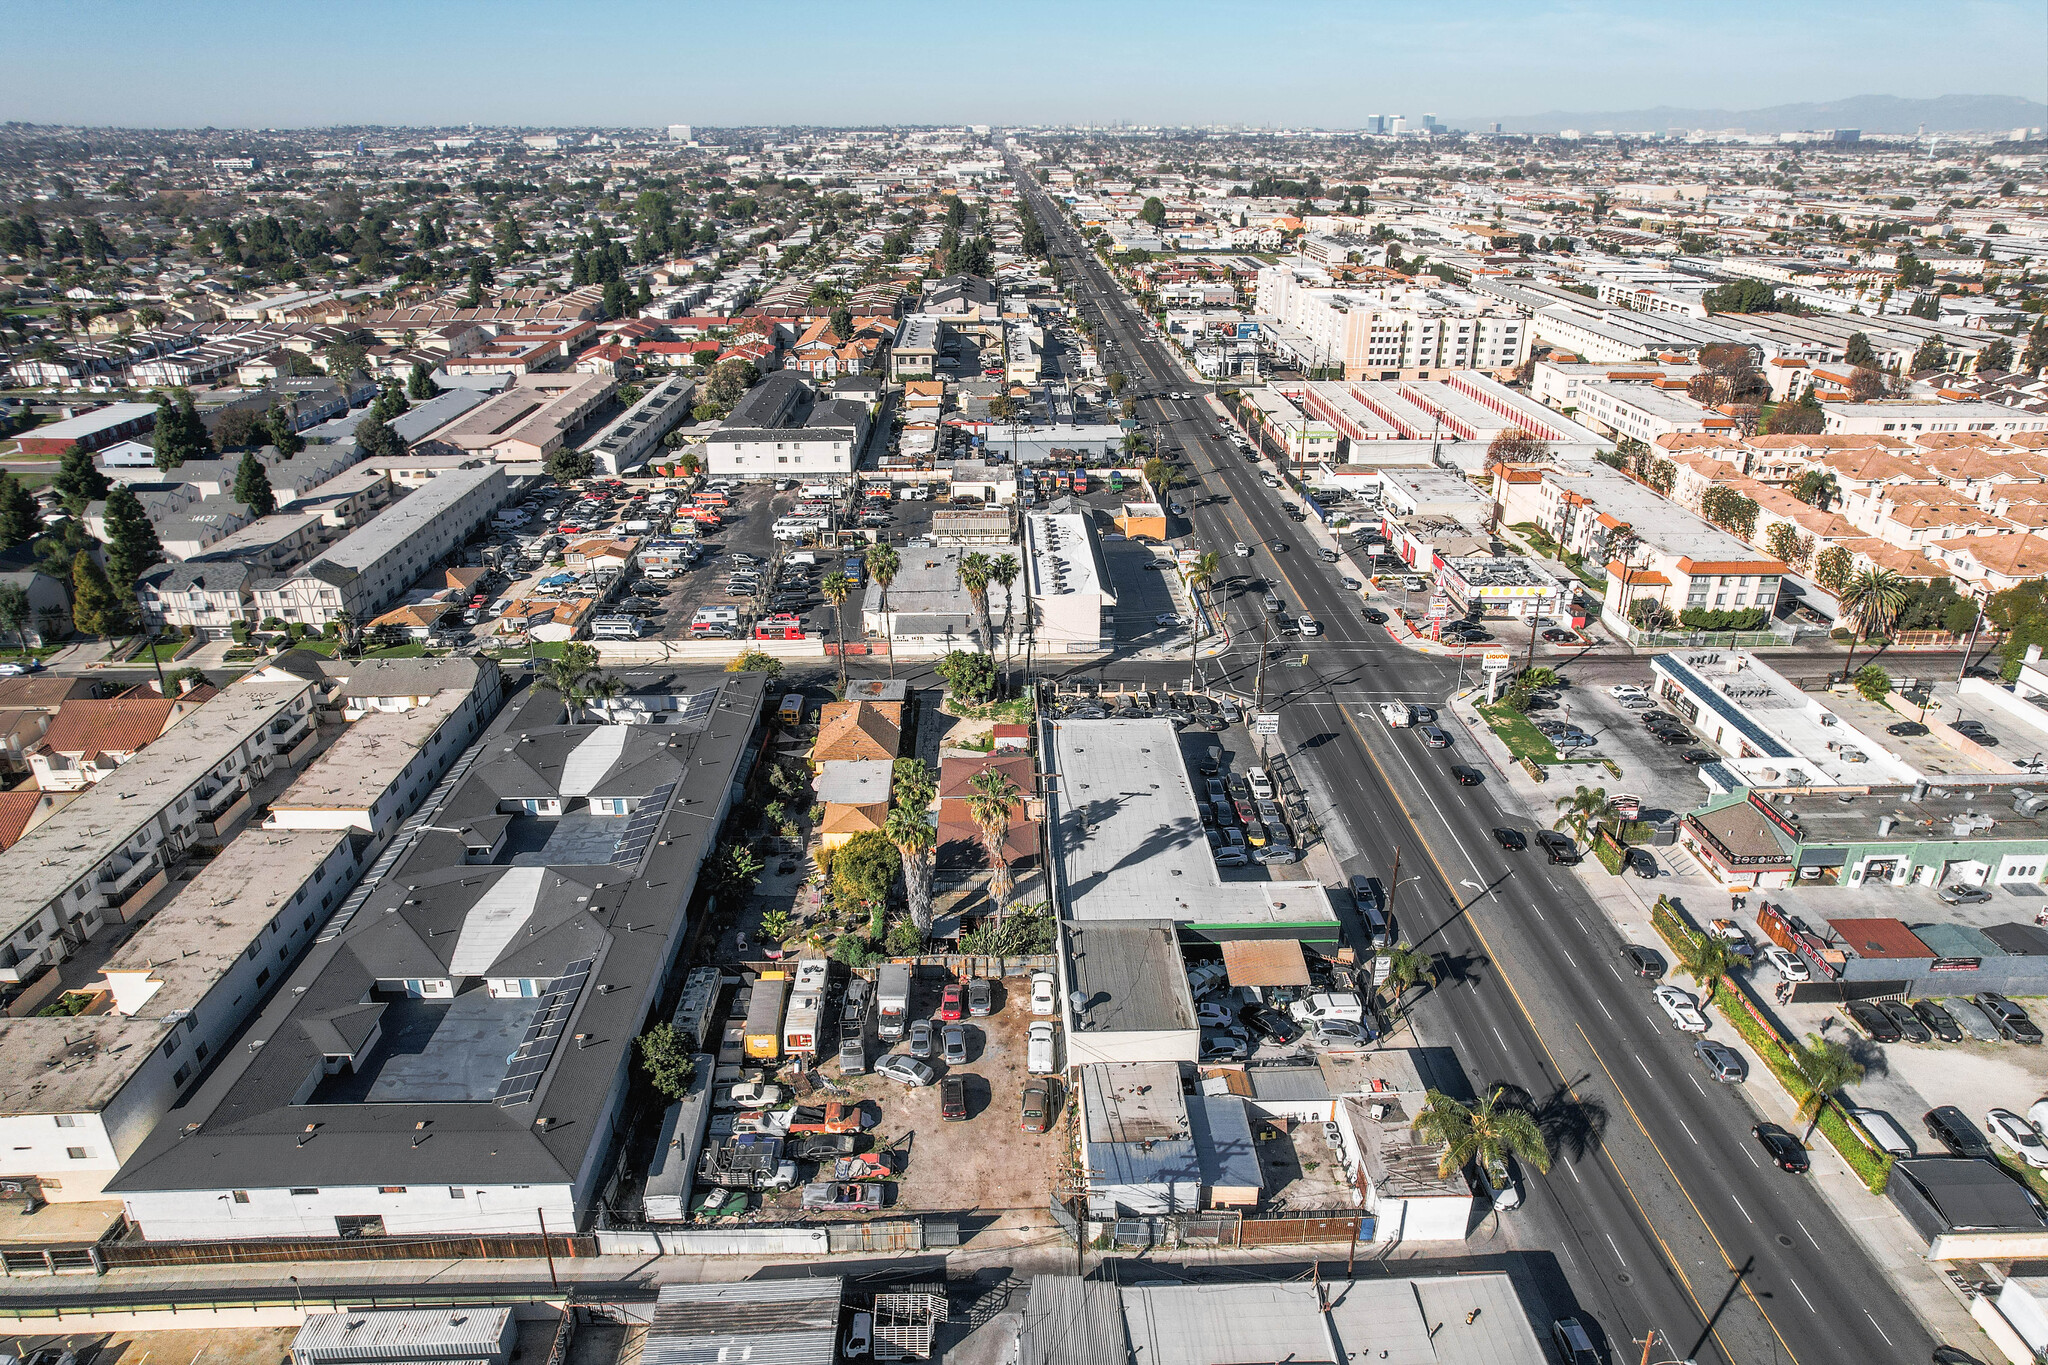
(1882, 1230)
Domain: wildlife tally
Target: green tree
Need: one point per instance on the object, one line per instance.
(79, 480)
(1003, 572)
(1581, 809)
(666, 1059)
(1117, 380)
(1873, 683)
(180, 434)
(96, 609)
(1743, 296)
(420, 386)
(1997, 356)
(973, 570)
(1932, 355)
(992, 798)
(914, 839)
(16, 612)
(775, 926)
(252, 486)
(1802, 416)
(2035, 358)
(1824, 1067)
(1857, 351)
(883, 564)
(1707, 958)
(566, 466)
(132, 545)
(1831, 567)
(1198, 574)
(837, 587)
(283, 435)
(20, 522)
(569, 675)
(1817, 488)
(1487, 1132)
(866, 866)
(1154, 212)
(377, 441)
(969, 674)
(1871, 600)
(912, 784)
(755, 661)
(1407, 968)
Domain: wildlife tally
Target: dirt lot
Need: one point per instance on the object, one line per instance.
(208, 1346)
(988, 1162)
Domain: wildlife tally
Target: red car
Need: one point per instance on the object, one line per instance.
(952, 1004)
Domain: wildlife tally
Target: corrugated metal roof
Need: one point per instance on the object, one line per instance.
(1265, 962)
(404, 1334)
(1071, 1321)
(764, 1322)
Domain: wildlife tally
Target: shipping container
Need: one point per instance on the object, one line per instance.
(764, 1017)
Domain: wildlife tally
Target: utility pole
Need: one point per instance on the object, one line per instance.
(1259, 674)
(1393, 885)
(547, 1246)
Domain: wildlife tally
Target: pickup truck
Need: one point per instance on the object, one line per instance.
(834, 1116)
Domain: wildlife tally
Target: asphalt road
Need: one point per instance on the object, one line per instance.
(1659, 1206)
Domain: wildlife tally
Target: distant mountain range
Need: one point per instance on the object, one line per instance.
(1873, 114)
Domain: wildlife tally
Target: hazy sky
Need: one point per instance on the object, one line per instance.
(230, 63)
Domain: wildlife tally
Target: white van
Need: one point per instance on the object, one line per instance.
(1324, 1005)
(616, 628)
(800, 557)
(721, 615)
(819, 490)
(1262, 786)
(1886, 1130)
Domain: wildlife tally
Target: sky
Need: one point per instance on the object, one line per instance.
(237, 64)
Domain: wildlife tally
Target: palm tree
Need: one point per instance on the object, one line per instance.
(1407, 968)
(1487, 1132)
(1198, 575)
(1581, 809)
(1003, 570)
(1707, 961)
(914, 838)
(883, 562)
(606, 688)
(569, 675)
(1825, 1067)
(1872, 599)
(837, 587)
(990, 795)
(348, 625)
(912, 785)
(974, 576)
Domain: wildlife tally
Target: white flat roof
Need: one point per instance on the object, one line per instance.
(1061, 550)
(369, 756)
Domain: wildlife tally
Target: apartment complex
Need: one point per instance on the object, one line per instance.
(1389, 332)
(785, 428)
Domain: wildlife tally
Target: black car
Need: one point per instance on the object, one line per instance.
(1647, 963)
(1785, 1150)
(1906, 728)
(1513, 840)
(1673, 736)
(1559, 846)
(1467, 777)
(1373, 615)
(1908, 1023)
(1872, 1022)
(1269, 1024)
(1697, 756)
(825, 1146)
(1939, 1021)
(1952, 1128)
(2009, 1019)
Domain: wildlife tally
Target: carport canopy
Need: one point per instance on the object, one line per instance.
(1264, 962)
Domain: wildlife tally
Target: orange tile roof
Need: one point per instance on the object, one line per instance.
(857, 729)
(114, 727)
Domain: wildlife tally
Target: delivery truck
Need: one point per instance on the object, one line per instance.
(892, 994)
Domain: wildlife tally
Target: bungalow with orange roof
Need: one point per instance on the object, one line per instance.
(858, 730)
(89, 739)
(547, 619)
(416, 621)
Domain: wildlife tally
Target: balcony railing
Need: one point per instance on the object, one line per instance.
(123, 877)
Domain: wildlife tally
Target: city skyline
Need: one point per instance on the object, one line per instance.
(647, 65)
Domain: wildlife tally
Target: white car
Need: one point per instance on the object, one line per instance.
(1790, 968)
(1626, 690)
(2016, 1133)
(756, 1095)
(1044, 993)
(1309, 626)
(1241, 550)
(1167, 618)
(1685, 1016)
(1176, 509)
(1038, 1049)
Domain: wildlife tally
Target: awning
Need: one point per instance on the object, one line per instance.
(1265, 962)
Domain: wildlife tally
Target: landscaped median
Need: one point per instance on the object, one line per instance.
(1529, 746)
(1872, 1165)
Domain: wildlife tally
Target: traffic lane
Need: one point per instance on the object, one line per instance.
(1697, 1135)
(1614, 1261)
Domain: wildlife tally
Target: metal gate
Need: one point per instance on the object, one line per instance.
(1257, 1232)
(1064, 1215)
(896, 1235)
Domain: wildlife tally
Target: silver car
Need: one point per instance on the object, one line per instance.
(953, 1039)
(905, 1070)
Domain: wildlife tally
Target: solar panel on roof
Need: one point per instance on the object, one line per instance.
(537, 1048)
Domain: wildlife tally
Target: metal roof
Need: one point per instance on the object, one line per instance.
(1265, 962)
(763, 1322)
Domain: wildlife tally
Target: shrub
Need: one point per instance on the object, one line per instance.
(854, 951)
(665, 1057)
(904, 940)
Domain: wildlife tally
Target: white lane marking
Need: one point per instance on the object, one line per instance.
(1688, 1132)
(1503, 1041)
(1616, 970)
(1603, 1009)
(1745, 1212)
(1873, 1322)
(1809, 1235)
(1752, 1157)
(1802, 1295)
(1617, 1249)
(1697, 1086)
(1640, 1062)
(1574, 1170)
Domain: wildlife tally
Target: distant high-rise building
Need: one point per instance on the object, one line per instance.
(1430, 125)
(1494, 129)
(679, 132)
(1399, 124)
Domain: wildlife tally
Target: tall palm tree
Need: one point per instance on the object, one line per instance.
(1871, 598)
(914, 838)
(1198, 575)
(1825, 1067)
(883, 562)
(1486, 1132)
(912, 785)
(837, 587)
(1707, 961)
(1003, 571)
(990, 795)
(1407, 968)
(973, 570)
(606, 688)
(1581, 809)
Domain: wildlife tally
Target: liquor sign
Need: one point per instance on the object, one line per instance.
(1497, 660)
(1266, 723)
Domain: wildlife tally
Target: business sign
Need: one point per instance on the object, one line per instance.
(1439, 610)
(1497, 660)
(1266, 723)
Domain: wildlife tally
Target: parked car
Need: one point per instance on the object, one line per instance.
(919, 1041)
(2022, 1137)
(953, 1003)
(1790, 967)
(1341, 1033)
(1511, 840)
(1559, 846)
(1036, 1106)
(1226, 1045)
(1784, 1149)
(1952, 1128)
(1574, 1345)
(1647, 963)
(1939, 1021)
(1680, 1009)
(905, 1070)
(843, 1194)
(755, 1095)
(1972, 1020)
(1038, 1049)
(1269, 1024)
(1722, 1062)
(1044, 993)
(980, 998)
(2009, 1019)
(953, 1042)
(953, 1098)
(1872, 1022)
(860, 1336)
(825, 1146)
(1962, 895)
(1908, 1023)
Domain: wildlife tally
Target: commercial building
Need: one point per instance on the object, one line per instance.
(453, 1053)
(1127, 842)
(929, 611)
(1066, 584)
(784, 428)
(1768, 731)
(915, 353)
(1126, 992)
(530, 420)
(1502, 586)
(773, 1321)
(1394, 332)
(100, 427)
